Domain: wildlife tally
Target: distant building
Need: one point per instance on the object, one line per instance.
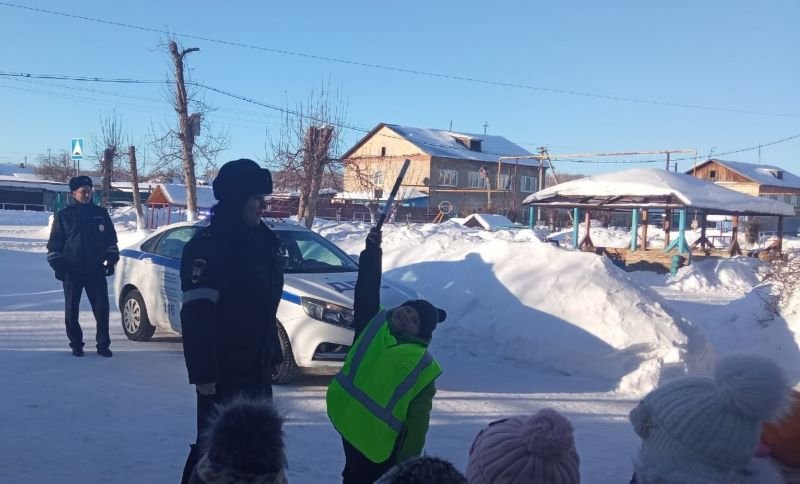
(21, 189)
(463, 169)
(766, 181)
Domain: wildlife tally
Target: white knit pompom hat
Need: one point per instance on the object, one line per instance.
(710, 426)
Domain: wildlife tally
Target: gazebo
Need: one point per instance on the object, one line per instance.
(640, 190)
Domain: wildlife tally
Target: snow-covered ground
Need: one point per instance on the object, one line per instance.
(529, 325)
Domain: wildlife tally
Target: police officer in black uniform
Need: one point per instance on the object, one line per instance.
(232, 281)
(83, 251)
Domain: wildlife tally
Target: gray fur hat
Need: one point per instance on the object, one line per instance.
(246, 440)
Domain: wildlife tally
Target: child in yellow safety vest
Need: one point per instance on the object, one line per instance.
(380, 402)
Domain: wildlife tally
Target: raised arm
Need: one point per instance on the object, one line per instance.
(367, 298)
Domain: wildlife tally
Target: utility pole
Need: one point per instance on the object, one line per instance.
(137, 201)
(187, 128)
(667, 160)
(485, 125)
(543, 155)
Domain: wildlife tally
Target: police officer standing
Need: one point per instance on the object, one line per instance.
(232, 281)
(82, 251)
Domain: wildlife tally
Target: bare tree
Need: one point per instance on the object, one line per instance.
(107, 149)
(193, 138)
(58, 167)
(308, 146)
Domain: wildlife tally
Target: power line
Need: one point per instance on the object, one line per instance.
(253, 123)
(341, 125)
(394, 68)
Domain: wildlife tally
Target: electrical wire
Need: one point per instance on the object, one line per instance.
(394, 68)
(341, 125)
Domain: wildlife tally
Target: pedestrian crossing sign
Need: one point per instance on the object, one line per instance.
(77, 149)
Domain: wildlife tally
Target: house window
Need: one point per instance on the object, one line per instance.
(712, 174)
(787, 198)
(504, 182)
(448, 178)
(796, 200)
(377, 178)
(383, 151)
(773, 196)
(528, 184)
(476, 180)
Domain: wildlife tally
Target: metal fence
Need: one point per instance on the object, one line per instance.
(26, 207)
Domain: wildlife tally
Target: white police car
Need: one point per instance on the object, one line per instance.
(315, 314)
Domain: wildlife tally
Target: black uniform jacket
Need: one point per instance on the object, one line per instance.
(82, 239)
(232, 283)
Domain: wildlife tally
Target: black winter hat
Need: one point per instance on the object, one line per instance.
(429, 316)
(247, 436)
(240, 179)
(423, 470)
(79, 181)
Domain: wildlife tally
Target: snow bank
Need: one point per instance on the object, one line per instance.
(745, 325)
(738, 275)
(511, 296)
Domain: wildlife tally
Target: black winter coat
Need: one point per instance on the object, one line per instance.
(82, 239)
(232, 282)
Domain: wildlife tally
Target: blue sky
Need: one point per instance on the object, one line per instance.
(727, 54)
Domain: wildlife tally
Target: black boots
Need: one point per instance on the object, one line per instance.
(105, 352)
(77, 351)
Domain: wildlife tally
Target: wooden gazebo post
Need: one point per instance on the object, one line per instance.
(734, 248)
(634, 229)
(587, 238)
(645, 222)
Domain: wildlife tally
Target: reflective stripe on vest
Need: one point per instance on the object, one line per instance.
(366, 339)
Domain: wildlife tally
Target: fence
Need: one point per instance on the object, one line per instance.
(27, 207)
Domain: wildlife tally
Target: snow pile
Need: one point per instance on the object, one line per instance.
(738, 275)
(617, 237)
(746, 325)
(510, 296)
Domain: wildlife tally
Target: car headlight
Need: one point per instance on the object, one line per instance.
(328, 312)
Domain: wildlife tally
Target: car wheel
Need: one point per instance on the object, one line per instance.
(135, 322)
(287, 370)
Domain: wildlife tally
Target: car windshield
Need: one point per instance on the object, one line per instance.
(308, 252)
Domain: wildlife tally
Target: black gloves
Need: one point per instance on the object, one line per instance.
(58, 267)
(109, 269)
(374, 238)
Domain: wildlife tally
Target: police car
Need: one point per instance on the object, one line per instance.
(315, 315)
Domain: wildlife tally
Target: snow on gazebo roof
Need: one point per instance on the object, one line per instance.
(649, 187)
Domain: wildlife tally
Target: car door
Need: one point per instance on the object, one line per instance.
(166, 260)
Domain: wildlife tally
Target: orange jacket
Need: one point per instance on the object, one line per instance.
(783, 438)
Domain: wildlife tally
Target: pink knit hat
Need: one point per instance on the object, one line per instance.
(534, 450)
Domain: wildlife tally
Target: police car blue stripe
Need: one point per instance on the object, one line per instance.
(176, 264)
(156, 259)
(289, 297)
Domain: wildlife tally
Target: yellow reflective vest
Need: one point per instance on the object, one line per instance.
(368, 400)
